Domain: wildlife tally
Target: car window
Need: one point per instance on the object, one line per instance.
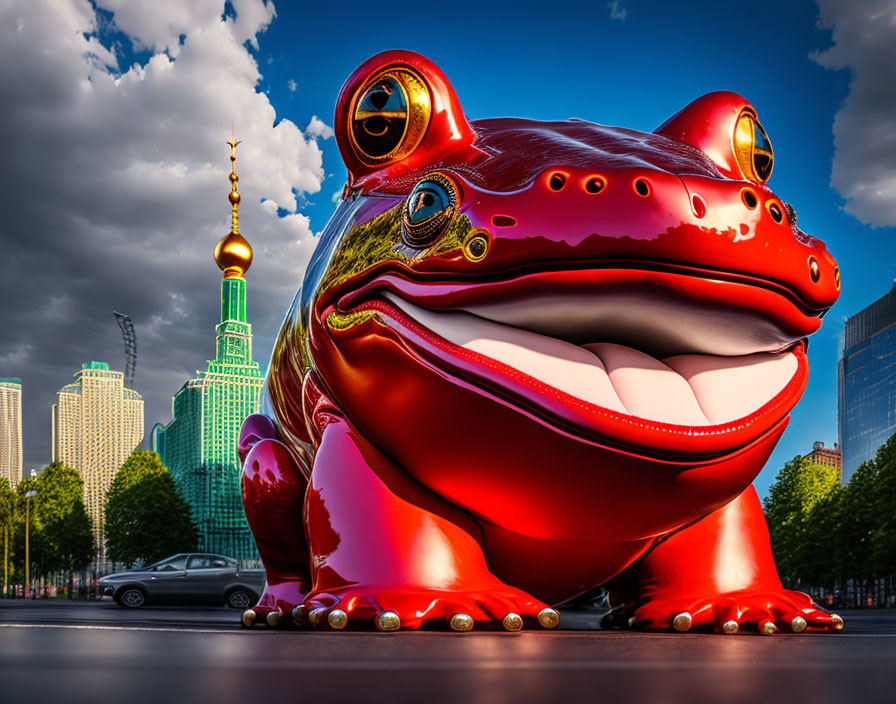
(175, 563)
(219, 562)
(199, 562)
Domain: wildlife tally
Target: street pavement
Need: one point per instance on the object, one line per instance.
(96, 652)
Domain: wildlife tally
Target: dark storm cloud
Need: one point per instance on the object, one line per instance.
(115, 193)
(864, 169)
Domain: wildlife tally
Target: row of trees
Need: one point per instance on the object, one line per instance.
(146, 520)
(59, 530)
(833, 539)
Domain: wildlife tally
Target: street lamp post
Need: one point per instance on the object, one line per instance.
(28, 495)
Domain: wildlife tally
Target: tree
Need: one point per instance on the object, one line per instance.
(7, 517)
(146, 517)
(24, 513)
(65, 529)
(798, 488)
(883, 531)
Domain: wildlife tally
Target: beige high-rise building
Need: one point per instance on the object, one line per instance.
(97, 423)
(11, 430)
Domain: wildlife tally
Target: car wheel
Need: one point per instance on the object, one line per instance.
(132, 597)
(240, 599)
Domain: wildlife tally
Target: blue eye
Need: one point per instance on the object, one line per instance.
(429, 209)
(426, 200)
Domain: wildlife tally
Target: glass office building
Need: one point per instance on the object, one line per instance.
(866, 380)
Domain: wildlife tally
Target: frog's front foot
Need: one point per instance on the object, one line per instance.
(400, 607)
(277, 604)
(737, 611)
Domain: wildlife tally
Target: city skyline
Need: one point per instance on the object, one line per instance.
(145, 138)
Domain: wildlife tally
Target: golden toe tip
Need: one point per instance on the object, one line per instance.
(729, 627)
(682, 622)
(337, 619)
(837, 621)
(388, 621)
(315, 614)
(512, 622)
(798, 624)
(248, 618)
(300, 615)
(548, 618)
(273, 618)
(632, 621)
(768, 628)
(461, 622)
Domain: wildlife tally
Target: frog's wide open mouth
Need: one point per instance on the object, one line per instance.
(631, 367)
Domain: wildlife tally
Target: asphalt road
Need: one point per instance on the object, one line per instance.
(97, 652)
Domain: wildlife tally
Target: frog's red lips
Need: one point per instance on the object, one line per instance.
(667, 363)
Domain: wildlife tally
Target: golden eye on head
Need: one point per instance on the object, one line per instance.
(752, 148)
(389, 116)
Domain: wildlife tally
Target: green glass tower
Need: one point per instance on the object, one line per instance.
(199, 446)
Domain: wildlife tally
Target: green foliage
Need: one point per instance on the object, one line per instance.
(66, 534)
(146, 517)
(798, 489)
(60, 534)
(824, 534)
(7, 523)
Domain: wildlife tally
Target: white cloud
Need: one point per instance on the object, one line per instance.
(864, 168)
(317, 128)
(292, 85)
(119, 192)
(615, 12)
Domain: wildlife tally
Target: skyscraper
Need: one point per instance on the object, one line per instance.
(11, 430)
(866, 382)
(97, 424)
(199, 446)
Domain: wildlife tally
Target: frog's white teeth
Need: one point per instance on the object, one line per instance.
(686, 389)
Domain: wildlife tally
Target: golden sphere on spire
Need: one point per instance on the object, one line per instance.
(233, 255)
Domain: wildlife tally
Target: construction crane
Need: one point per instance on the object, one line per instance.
(130, 347)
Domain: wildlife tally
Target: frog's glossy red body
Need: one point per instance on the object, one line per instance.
(529, 359)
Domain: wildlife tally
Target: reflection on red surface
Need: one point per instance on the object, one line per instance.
(445, 478)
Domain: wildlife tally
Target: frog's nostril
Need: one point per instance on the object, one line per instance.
(814, 270)
(642, 187)
(699, 206)
(557, 181)
(837, 277)
(503, 221)
(595, 184)
(775, 211)
(749, 198)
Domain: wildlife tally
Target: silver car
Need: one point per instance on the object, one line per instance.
(186, 578)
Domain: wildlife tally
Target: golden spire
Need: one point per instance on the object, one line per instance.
(233, 253)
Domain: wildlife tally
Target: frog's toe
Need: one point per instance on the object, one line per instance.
(388, 610)
(676, 615)
(275, 606)
(248, 618)
(765, 613)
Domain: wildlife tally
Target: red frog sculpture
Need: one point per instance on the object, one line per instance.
(532, 358)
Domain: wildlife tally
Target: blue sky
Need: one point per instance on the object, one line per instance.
(136, 98)
(574, 60)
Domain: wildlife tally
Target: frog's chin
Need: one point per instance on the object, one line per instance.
(643, 400)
